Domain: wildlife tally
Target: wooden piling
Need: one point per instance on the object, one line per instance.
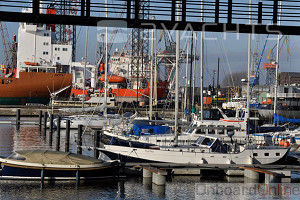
(51, 123)
(42, 177)
(18, 117)
(96, 143)
(79, 140)
(51, 130)
(40, 120)
(45, 123)
(58, 134)
(67, 139)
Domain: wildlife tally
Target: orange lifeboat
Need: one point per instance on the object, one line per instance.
(31, 63)
(113, 79)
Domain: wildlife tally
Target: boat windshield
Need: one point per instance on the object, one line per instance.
(190, 130)
(203, 141)
(16, 156)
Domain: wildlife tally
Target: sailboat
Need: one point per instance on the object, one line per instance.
(207, 149)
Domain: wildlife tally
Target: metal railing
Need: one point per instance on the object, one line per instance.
(266, 12)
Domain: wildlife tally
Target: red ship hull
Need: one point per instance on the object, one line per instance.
(33, 87)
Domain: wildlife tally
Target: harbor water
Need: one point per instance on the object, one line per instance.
(210, 186)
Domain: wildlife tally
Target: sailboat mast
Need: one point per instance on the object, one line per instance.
(247, 115)
(186, 76)
(201, 64)
(151, 72)
(218, 79)
(277, 65)
(106, 62)
(194, 70)
(191, 76)
(177, 76)
(84, 68)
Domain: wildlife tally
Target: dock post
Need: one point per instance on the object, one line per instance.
(67, 142)
(96, 144)
(40, 120)
(51, 130)
(42, 177)
(79, 140)
(58, 134)
(45, 123)
(18, 117)
(77, 178)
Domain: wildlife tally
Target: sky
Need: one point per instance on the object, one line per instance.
(230, 47)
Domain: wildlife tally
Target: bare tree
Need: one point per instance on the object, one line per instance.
(234, 79)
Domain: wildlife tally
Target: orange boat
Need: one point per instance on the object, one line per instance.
(112, 79)
(31, 63)
(32, 87)
(126, 95)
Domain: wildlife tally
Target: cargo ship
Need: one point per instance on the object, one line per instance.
(42, 67)
(124, 84)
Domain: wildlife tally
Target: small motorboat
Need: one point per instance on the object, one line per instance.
(44, 164)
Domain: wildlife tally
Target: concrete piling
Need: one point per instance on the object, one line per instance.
(251, 174)
(147, 173)
(158, 179)
(276, 178)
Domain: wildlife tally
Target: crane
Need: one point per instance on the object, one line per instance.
(9, 48)
(286, 40)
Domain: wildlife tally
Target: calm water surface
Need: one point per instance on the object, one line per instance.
(178, 187)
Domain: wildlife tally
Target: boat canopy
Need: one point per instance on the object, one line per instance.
(142, 129)
(279, 119)
(52, 157)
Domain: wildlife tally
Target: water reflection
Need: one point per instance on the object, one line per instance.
(29, 137)
(7, 134)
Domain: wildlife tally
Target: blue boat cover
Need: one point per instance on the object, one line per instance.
(264, 129)
(279, 119)
(140, 129)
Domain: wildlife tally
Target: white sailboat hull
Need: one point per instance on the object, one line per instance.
(247, 156)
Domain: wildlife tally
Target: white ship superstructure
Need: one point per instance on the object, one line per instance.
(38, 51)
